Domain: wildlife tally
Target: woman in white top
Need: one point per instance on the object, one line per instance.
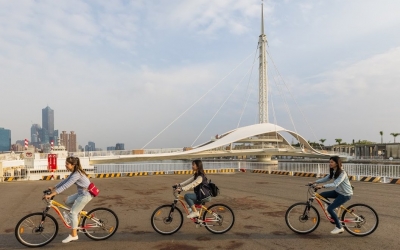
(76, 201)
(342, 193)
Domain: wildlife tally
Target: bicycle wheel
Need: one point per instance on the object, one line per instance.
(30, 232)
(166, 221)
(100, 224)
(219, 218)
(301, 218)
(361, 221)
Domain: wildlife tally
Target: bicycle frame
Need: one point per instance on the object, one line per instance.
(202, 208)
(56, 205)
(320, 200)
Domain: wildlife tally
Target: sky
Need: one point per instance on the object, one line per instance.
(171, 74)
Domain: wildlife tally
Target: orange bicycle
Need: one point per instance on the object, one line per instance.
(357, 219)
(168, 219)
(39, 229)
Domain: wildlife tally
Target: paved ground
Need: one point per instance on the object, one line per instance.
(258, 200)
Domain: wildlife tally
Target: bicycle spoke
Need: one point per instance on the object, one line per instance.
(100, 224)
(218, 219)
(302, 220)
(165, 222)
(361, 221)
(30, 232)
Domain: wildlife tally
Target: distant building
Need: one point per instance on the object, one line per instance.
(5, 139)
(112, 148)
(91, 146)
(69, 141)
(17, 147)
(36, 130)
(120, 146)
(47, 125)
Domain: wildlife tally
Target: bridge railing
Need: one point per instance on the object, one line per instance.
(375, 170)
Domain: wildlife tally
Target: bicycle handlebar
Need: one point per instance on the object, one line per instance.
(47, 192)
(311, 185)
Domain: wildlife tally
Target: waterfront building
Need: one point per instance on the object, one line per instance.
(5, 139)
(69, 141)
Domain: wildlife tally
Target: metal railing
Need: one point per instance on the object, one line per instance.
(375, 170)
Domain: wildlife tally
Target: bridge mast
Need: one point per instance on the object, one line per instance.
(263, 75)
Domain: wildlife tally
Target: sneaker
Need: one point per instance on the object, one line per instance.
(193, 214)
(70, 238)
(337, 230)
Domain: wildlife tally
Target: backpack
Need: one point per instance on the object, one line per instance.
(214, 190)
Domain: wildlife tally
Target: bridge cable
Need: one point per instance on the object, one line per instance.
(298, 106)
(196, 101)
(237, 85)
(281, 92)
(248, 90)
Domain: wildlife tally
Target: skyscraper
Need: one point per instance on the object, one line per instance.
(73, 146)
(120, 146)
(47, 124)
(69, 141)
(35, 134)
(5, 139)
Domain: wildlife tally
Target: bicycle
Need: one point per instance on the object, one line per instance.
(39, 229)
(357, 219)
(168, 219)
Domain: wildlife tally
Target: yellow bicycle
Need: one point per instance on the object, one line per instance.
(168, 219)
(357, 219)
(39, 229)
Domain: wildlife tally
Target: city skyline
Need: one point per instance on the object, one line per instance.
(124, 70)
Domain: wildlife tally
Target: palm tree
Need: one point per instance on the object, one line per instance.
(381, 133)
(394, 136)
(322, 141)
(338, 140)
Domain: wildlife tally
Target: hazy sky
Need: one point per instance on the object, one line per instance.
(122, 71)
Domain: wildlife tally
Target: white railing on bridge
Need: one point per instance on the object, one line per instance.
(153, 167)
(376, 170)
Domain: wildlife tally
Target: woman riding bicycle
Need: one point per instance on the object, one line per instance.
(198, 182)
(342, 193)
(76, 201)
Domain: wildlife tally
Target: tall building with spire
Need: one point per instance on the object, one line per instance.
(47, 125)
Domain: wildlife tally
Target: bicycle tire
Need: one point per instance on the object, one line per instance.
(36, 237)
(102, 223)
(224, 222)
(163, 219)
(299, 222)
(365, 223)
